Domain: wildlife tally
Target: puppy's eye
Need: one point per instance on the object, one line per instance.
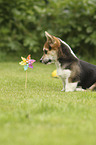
(50, 47)
(45, 51)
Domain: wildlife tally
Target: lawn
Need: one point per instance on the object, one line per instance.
(42, 114)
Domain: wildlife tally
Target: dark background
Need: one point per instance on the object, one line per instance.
(23, 22)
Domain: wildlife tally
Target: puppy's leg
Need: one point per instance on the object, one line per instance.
(70, 87)
(63, 81)
(92, 87)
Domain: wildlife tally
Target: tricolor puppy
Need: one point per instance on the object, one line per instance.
(76, 74)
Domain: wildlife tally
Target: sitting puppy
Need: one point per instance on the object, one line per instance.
(76, 74)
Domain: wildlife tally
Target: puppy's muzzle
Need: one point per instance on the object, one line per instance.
(45, 62)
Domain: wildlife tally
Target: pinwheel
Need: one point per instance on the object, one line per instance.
(27, 62)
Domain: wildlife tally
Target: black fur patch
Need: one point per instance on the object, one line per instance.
(87, 74)
(50, 48)
(83, 72)
(65, 56)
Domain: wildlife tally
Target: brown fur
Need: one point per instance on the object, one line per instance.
(75, 73)
(54, 45)
(93, 87)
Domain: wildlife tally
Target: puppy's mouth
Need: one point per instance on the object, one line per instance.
(48, 62)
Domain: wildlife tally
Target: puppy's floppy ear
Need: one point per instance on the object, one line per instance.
(50, 38)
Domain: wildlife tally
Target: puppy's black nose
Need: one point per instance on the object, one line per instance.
(41, 60)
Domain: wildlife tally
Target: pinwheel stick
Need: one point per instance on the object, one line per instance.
(27, 62)
(26, 80)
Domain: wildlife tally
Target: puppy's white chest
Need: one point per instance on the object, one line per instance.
(63, 73)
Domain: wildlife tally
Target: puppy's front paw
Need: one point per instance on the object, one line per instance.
(63, 90)
(80, 89)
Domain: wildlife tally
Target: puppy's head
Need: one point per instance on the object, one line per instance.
(50, 49)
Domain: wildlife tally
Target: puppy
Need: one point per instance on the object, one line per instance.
(76, 75)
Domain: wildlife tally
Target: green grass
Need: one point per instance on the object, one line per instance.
(42, 114)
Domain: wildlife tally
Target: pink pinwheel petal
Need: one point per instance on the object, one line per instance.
(32, 61)
(30, 66)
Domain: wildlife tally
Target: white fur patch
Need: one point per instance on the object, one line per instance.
(64, 74)
(52, 55)
(70, 86)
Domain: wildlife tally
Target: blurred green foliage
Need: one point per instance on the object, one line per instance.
(23, 22)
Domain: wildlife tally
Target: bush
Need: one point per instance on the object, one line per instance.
(23, 23)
